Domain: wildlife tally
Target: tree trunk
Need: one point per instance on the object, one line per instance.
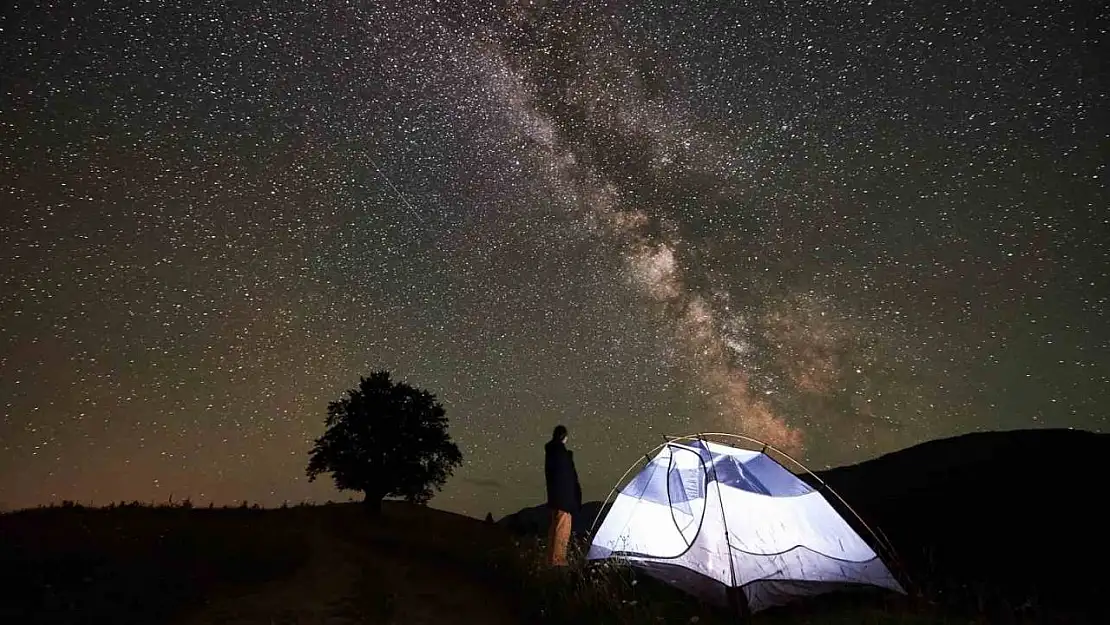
(373, 503)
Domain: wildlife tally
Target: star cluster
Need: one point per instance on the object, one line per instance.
(843, 228)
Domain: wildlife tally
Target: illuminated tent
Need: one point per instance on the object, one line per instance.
(731, 525)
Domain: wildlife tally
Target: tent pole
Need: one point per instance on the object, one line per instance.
(883, 544)
(737, 600)
(617, 485)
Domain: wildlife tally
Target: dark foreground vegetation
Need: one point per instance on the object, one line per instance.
(338, 564)
(136, 563)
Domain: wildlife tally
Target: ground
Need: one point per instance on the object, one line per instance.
(358, 571)
(337, 564)
(327, 564)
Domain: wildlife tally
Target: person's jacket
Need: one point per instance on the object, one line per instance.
(563, 490)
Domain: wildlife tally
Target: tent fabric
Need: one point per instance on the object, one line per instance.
(704, 517)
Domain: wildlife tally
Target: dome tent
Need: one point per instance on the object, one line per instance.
(732, 525)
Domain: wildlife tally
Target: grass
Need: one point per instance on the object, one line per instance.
(613, 593)
(135, 563)
(160, 564)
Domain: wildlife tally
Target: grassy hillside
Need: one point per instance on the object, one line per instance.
(334, 564)
(137, 564)
(243, 565)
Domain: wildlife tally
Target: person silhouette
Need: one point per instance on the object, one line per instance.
(564, 494)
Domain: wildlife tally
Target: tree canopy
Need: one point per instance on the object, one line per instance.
(386, 439)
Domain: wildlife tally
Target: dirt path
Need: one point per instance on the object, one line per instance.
(317, 593)
(348, 581)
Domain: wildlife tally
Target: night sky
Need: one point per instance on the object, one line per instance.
(841, 227)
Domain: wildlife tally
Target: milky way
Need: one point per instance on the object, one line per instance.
(840, 228)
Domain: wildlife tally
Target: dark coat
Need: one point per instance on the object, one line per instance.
(563, 490)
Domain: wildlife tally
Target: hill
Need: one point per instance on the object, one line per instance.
(992, 527)
(330, 564)
(996, 519)
(336, 564)
(313, 564)
(1019, 512)
(534, 521)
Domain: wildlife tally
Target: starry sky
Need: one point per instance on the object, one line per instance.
(840, 227)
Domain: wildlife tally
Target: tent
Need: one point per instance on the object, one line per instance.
(734, 527)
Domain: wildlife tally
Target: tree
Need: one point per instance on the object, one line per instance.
(386, 439)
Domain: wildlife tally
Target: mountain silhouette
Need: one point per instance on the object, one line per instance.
(1018, 511)
(535, 520)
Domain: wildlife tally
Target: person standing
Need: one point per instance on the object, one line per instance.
(564, 494)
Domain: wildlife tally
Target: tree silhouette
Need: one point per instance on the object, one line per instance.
(386, 439)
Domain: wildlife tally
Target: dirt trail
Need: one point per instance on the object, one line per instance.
(348, 581)
(318, 592)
